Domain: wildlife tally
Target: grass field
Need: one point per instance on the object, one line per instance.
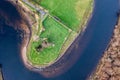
(70, 12)
(56, 34)
(59, 32)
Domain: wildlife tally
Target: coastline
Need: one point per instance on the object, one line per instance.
(86, 17)
(1, 74)
(57, 67)
(109, 65)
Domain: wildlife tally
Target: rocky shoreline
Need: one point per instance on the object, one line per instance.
(109, 66)
(16, 18)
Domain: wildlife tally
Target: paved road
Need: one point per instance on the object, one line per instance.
(41, 11)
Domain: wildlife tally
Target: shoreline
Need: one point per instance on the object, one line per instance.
(56, 68)
(109, 65)
(86, 18)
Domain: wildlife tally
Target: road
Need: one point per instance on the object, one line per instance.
(39, 9)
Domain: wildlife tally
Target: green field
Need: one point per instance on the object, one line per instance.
(70, 12)
(62, 25)
(55, 34)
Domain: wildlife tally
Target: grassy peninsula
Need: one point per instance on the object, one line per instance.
(57, 24)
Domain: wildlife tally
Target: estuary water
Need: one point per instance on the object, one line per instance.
(91, 46)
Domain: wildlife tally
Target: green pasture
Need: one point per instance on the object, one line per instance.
(55, 34)
(60, 28)
(70, 12)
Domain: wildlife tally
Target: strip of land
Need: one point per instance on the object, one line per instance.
(46, 42)
(56, 31)
(53, 33)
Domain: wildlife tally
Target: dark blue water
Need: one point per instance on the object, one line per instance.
(91, 46)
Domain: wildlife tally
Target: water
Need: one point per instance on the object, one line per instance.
(91, 46)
